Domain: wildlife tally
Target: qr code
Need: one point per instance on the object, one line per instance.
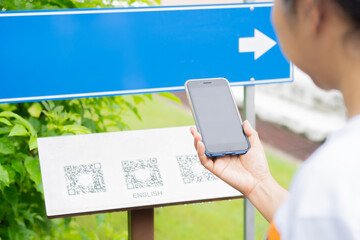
(192, 171)
(142, 173)
(85, 178)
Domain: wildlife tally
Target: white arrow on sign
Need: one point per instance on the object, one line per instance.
(259, 44)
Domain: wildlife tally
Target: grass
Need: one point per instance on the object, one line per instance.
(216, 220)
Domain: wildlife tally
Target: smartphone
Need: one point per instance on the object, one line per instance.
(217, 117)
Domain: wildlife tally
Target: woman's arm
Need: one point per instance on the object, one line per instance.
(267, 196)
(248, 173)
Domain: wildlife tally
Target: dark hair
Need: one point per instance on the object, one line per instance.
(350, 7)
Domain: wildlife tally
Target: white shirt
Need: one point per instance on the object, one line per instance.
(324, 199)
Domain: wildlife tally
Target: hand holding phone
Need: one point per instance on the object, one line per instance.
(243, 172)
(248, 173)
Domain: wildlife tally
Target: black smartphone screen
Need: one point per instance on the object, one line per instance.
(217, 117)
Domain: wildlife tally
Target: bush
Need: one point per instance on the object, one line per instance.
(22, 209)
(9, 5)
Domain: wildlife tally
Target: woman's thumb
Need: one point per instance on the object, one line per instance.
(252, 134)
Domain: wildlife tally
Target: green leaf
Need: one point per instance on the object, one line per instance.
(5, 121)
(21, 119)
(18, 130)
(35, 123)
(12, 231)
(35, 110)
(39, 186)
(148, 95)
(67, 134)
(137, 99)
(134, 110)
(48, 105)
(29, 216)
(32, 143)
(32, 166)
(27, 232)
(58, 109)
(11, 194)
(67, 222)
(90, 124)
(4, 130)
(11, 173)
(6, 146)
(77, 129)
(170, 96)
(18, 166)
(4, 177)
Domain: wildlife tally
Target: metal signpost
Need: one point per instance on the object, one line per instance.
(103, 52)
(249, 209)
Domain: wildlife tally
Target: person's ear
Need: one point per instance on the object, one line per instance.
(311, 14)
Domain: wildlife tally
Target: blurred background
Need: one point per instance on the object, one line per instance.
(293, 119)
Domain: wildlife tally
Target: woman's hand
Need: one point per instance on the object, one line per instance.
(248, 173)
(243, 172)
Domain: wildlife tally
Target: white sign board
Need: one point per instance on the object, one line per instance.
(125, 170)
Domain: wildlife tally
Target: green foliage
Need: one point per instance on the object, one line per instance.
(7, 5)
(22, 210)
(170, 96)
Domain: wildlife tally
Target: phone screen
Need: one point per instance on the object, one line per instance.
(217, 116)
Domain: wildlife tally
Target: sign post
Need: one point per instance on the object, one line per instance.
(249, 210)
(141, 224)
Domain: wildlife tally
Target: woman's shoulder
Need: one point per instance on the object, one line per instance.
(341, 147)
(328, 183)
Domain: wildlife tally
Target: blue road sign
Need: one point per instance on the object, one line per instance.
(103, 52)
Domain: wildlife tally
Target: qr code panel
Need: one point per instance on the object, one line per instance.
(142, 173)
(192, 171)
(85, 178)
